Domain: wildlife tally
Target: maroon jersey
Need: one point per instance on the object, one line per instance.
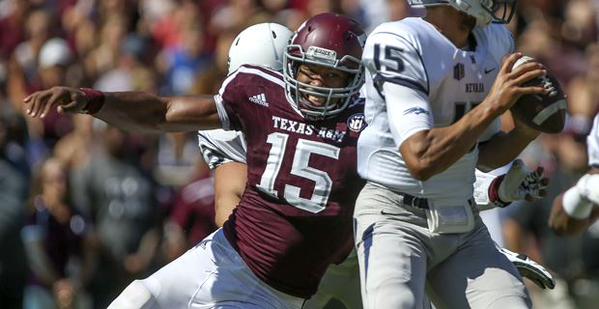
(295, 216)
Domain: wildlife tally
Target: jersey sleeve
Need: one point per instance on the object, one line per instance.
(394, 58)
(593, 143)
(227, 102)
(219, 147)
(397, 71)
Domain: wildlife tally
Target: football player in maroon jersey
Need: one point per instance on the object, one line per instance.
(225, 153)
(301, 129)
(305, 92)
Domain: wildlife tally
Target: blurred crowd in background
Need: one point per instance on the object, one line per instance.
(85, 208)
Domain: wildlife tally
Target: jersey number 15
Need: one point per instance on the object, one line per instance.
(300, 168)
(391, 60)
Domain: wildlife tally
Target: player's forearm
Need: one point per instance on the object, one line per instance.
(225, 201)
(431, 152)
(224, 208)
(135, 111)
(229, 185)
(503, 148)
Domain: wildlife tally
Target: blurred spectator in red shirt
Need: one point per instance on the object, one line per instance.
(192, 217)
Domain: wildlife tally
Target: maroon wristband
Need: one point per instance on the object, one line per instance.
(95, 100)
(494, 192)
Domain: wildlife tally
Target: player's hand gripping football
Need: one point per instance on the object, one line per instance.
(508, 86)
(530, 269)
(65, 99)
(519, 183)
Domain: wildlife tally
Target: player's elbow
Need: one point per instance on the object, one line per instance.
(421, 171)
(415, 152)
(419, 166)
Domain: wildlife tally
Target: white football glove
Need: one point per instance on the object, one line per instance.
(588, 186)
(530, 269)
(519, 183)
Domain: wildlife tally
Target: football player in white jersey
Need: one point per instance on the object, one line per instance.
(576, 209)
(435, 87)
(225, 151)
(180, 123)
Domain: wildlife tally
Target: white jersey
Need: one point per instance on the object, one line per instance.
(219, 147)
(433, 84)
(593, 143)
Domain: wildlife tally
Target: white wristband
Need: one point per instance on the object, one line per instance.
(575, 205)
(481, 190)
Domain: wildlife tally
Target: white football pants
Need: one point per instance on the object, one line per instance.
(210, 275)
(399, 259)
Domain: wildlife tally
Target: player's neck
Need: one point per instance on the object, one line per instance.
(449, 26)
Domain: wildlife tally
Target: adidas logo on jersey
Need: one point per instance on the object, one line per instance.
(259, 99)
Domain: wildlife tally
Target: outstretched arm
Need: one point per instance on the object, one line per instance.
(135, 111)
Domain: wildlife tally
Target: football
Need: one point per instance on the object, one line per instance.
(545, 113)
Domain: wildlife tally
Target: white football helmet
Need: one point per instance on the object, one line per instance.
(260, 44)
(485, 11)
